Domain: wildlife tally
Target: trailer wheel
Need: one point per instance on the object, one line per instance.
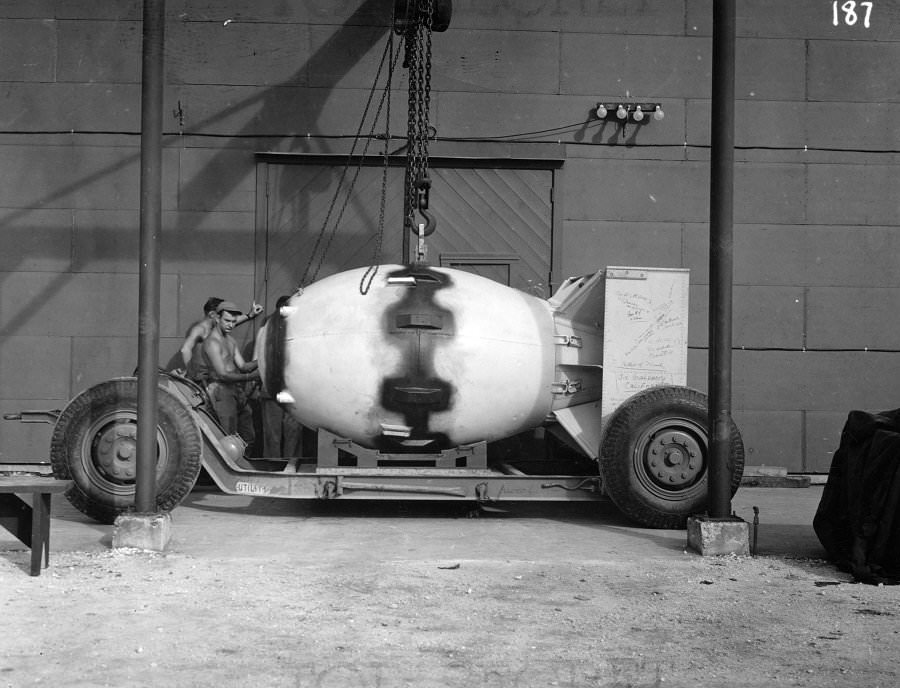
(94, 445)
(654, 457)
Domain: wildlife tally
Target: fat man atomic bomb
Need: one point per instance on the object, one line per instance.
(414, 376)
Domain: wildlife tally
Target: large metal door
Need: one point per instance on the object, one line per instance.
(495, 221)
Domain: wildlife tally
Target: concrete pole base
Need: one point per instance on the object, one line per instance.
(142, 531)
(716, 536)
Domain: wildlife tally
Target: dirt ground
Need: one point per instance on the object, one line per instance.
(631, 613)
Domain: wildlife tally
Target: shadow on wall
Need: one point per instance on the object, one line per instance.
(219, 172)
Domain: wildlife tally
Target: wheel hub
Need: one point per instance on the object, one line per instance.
(674, 459)
(116, 451)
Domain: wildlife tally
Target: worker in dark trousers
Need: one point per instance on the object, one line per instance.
(225, 373)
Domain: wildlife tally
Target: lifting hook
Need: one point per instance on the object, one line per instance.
(423, 186)
(418, 228)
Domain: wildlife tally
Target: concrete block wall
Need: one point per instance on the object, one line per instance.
(816, 282)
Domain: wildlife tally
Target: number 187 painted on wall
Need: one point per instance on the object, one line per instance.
(849, 12)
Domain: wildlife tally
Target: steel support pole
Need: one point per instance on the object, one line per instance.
(721, 255)
(151, 228)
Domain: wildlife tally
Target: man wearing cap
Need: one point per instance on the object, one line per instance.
(190, 347)
(224, 371)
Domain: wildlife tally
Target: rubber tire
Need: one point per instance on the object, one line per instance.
(637, 428)
(106, 415)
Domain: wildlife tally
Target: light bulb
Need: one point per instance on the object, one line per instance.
(621, 113)
(638, 114)
(658, 113)
(601, 111)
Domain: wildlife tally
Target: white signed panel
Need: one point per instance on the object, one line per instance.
(645, 331)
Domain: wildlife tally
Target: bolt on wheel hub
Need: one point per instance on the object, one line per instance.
(674, 459)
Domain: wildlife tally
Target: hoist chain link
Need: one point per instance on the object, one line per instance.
(426, 107)
(418, 57)
(411, 63)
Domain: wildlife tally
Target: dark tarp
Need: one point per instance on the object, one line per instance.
(858, 519)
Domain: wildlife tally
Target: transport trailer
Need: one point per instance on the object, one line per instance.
(435, 383)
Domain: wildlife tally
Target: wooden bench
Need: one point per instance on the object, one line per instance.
(30, 523)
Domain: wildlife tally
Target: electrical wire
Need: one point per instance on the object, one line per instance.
(536, 136)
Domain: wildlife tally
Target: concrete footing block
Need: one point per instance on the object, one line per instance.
(142, 531)
(716, 536)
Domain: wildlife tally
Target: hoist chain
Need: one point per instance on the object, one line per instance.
(418, 59)
(418, 26)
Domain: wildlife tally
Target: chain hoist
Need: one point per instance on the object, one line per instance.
(417, 19)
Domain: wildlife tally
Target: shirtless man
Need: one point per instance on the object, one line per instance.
(224, 371)
(200, 330)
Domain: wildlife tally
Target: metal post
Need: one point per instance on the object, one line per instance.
(721, 250)
(151, 227)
